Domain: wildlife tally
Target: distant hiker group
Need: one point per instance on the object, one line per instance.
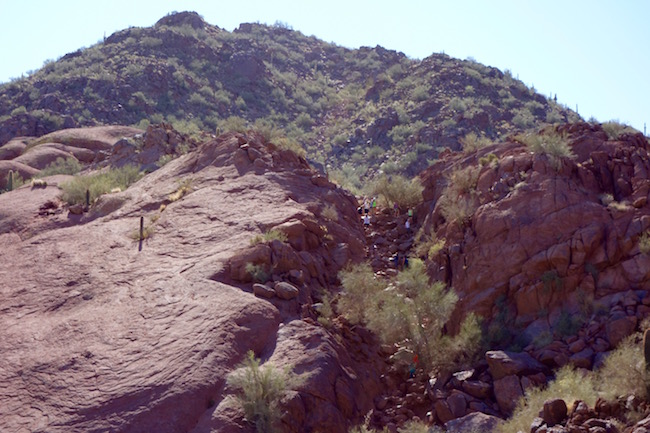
(369, 207)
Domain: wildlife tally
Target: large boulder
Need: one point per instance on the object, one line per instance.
(476, 422)
(504, 364)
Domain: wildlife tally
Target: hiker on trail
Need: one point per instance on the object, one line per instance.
(394, 259)
(366, 220)
(407, 225)
(410, 215)
(366, 205)
(373, 205)
(413, 366)
(396, 209)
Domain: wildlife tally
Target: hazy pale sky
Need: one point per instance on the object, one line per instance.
(592, 54)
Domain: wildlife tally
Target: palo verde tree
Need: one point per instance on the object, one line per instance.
(410, 311)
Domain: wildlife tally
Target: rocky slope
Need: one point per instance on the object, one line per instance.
(546, 249)
(100, 333)
(546, 235)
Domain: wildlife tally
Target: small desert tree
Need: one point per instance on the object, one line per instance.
(411, 312)
(398, 189)
(361, 286)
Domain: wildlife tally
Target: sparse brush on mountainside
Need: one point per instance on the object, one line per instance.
(337, 103)
(74, 191)
(548, 142)
(623, 373)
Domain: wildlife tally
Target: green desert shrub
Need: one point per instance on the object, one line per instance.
(398, 189)
(257, 272)
(329, 211)
(74, 191)
(569, 385)
(259, 390)
(428, 245)
(269, 236)
(233, 124)
(61, 166)
(472, 142)
(286, 143)
(360, 284)
(615, 129)
(549, 142)
(459, 199)
(523, 118)
(184, 188)
(623, 373)
(644, 242)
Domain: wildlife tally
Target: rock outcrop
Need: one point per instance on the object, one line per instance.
(548, 240)
(102, 333)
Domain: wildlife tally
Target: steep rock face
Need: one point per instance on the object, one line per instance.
(548, 239)
(102, 333)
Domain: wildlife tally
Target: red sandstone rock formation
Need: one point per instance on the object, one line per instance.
(99, 336)
(544, 243)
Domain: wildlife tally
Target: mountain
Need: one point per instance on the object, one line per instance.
(154, 275)
(356, 111)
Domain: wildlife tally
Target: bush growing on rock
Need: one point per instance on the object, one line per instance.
(74, 192)
(644, 243)
(269, 236)
(622, 374)
(460, 199)
(260, 389)
(428, 245)
(549, 142)
(257, 273)
(614, 129)
(473, 142)
(624, 371)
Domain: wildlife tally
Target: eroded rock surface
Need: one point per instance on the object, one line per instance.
(99, 333)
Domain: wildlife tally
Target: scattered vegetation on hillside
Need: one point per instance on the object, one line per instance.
(622, 374)
(371, 107)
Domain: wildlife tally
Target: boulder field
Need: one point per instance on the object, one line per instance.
(100, 331)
